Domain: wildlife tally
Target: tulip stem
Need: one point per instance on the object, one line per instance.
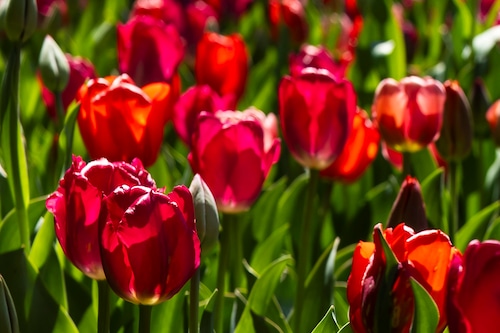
(233, 226)
(221, 277)
(104, 311)
(194, 302)
(145, 318)
(303, 260)
(59, 110)
(452, 185)
(407, 169)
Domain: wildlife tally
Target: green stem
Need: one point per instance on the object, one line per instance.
(104, 310)
(10, 97)
(60, 112)
(407, 168)
(221, 278)
(233, 227)
(145, 318)
(194, 300)
(452, 186)
(303, 260)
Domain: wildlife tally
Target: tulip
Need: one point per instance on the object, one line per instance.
(455, 141)
(120, 121)
(77, 203)
(229, 8)
(317, 57)
(79, 71)
(18, 18)
(222, 63)
(316, 112)
(54, 66)
(492, 116)
(148, 241)
(233, 152)
(409, 113)
(149, 50)
(409, 207)
(291, 14)
(359, 152)
(195, 100)
(473, 299)
(424, 256)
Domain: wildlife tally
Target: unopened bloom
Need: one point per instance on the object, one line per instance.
(121, 121)
(148, 241)
(493, 117)
(77, 207)
(233, 152)
(455, 141)
(222, 63)
(359, 152)
(316, 114)
(149, 50)
(409, 113)
(473, 299)
(424, 256)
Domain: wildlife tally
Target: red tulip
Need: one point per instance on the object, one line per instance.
(229, 8)
(425, 256)
(493, 116)
(149, 50)
(359, 152)
(291, 14)
(195, 100)
(120, 121)
(80, 71)
(409, 113)
(233, 152)
(317, 57)
(77, 202)
(316, 111)
(149, 245)
(473, 300)
(222, 63)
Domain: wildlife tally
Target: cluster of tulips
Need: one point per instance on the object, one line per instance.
(146, 241)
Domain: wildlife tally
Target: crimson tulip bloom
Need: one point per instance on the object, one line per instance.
(222, 63)
(77, 202)
(80, 71)
(195, 100)
(473, 300)
(493, 116)
(409, 113)
(317, 57)
(291, 14)
(149, 245)
(425, 256)
(120, 121)
(316, 111)
(149, 50)
(233, 152)
(359, 152)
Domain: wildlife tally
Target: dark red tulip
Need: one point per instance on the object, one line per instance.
(149, 50)
(317, 57)
(409, 113)
(233, 152)
(148, 241)
(77, 203)
(316, 114)
(290, 14)
(222, 63)
(121, 121)
(359, 152)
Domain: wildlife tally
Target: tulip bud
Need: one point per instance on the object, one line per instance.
(18, 18)
(455, 141)
(8, 316)
(205, 210)
(409, 207)
(493, 116)
(54, 67)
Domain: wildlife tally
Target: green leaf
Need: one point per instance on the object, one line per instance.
(476, 226)
(270, 249)
(327, 324)
(426, 315)
(433, 194)
(261, 294)
(346, 329)
(44, 242)
(66, 137)
(166, 316)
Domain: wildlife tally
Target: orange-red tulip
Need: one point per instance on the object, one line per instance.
(121, 121)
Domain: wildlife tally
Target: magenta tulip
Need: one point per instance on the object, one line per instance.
(233, 152)
(77, 202)
(317, 112)
(149, 245)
